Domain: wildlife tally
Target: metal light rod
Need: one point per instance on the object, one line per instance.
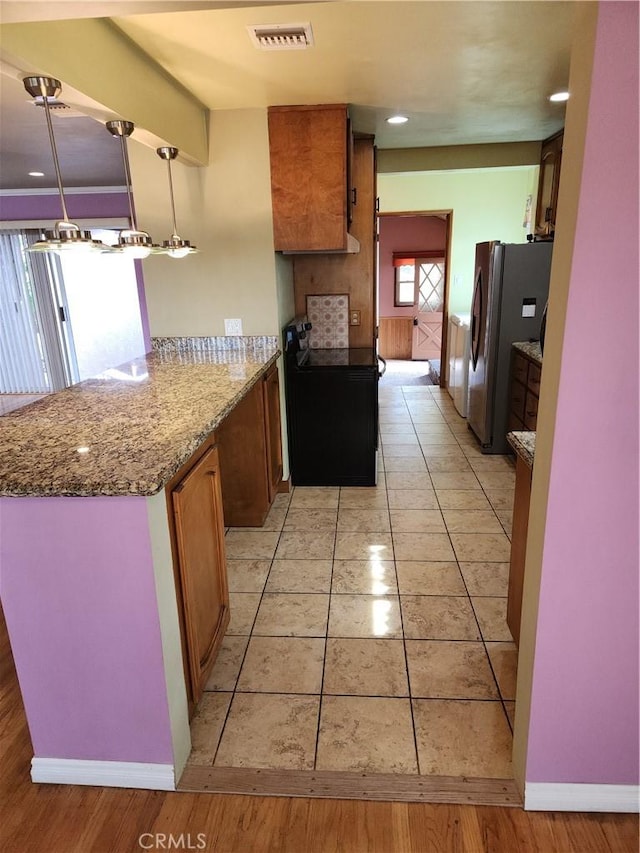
(124, 129)
(49, 87)
(66, 235)
(169, 153)
(175, 247)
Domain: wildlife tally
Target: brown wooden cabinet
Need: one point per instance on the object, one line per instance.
(231, 479)
(273, 439)
(310, 149)
(249, 444)
(195, 522)
(525, 390)
(548, 183)
(518, 546)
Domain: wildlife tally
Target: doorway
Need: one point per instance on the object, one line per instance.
(413, 286)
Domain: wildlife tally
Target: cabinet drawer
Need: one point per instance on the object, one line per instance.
(533, 381)
(518, 399)
(531, 411)
(520, 368)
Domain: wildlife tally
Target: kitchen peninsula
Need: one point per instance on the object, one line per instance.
(87, 553)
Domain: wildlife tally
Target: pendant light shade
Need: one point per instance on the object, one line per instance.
(131, 241)
(65, 236)
(175, 247)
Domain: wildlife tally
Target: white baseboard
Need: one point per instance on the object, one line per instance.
(570, 797)
(112, 774)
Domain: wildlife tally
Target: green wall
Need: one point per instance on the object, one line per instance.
(487, 204)
(224, 208)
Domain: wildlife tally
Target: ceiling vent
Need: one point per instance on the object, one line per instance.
(281, 36)
(60, 108)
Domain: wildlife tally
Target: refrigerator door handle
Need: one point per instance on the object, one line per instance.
(476, 325)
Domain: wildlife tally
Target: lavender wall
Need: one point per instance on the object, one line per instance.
(584, 711)
(405, 233)
(80, 206)
(78, 591)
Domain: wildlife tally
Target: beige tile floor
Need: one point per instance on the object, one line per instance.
(368, 626)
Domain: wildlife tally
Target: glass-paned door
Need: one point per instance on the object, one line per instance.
(64, 319)
(31, 347)
(429, 296)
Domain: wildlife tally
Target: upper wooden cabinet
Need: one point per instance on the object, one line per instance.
(550, 161)
(316, 273)
(310, 149)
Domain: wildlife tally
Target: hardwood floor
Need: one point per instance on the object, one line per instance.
(65, 819)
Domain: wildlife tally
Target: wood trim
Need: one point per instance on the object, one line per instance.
(284, 486)
(291, 108)
(361, 786)
(429, 254)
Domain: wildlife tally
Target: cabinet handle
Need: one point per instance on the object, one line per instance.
(531, 414)
(354, 196)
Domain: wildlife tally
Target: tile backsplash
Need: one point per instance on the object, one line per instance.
(329, 318)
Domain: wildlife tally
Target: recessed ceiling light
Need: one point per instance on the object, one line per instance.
(559, 96)
(397, 120)
(36, 174)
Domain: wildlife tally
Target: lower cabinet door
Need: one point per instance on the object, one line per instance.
(518, 547)
(242, 445)
(271, 389)
(198, 517)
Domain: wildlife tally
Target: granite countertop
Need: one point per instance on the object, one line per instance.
(127, 431)
(524, 444)
(531, 349)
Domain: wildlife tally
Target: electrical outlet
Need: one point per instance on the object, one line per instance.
(233, 327)
(354, 318)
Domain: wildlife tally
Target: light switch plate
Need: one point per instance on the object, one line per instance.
(233, 327)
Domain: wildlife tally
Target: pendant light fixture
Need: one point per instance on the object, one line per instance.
(175, 247)
(65, 236)
(131, 241)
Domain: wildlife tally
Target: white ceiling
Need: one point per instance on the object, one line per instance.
(463, 72)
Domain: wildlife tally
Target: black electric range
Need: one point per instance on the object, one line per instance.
(332, 412)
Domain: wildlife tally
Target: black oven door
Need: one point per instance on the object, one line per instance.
(332, 424)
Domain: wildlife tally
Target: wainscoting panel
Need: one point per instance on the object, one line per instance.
(394, 337)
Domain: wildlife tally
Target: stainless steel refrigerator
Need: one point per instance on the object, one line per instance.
(510, 292)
